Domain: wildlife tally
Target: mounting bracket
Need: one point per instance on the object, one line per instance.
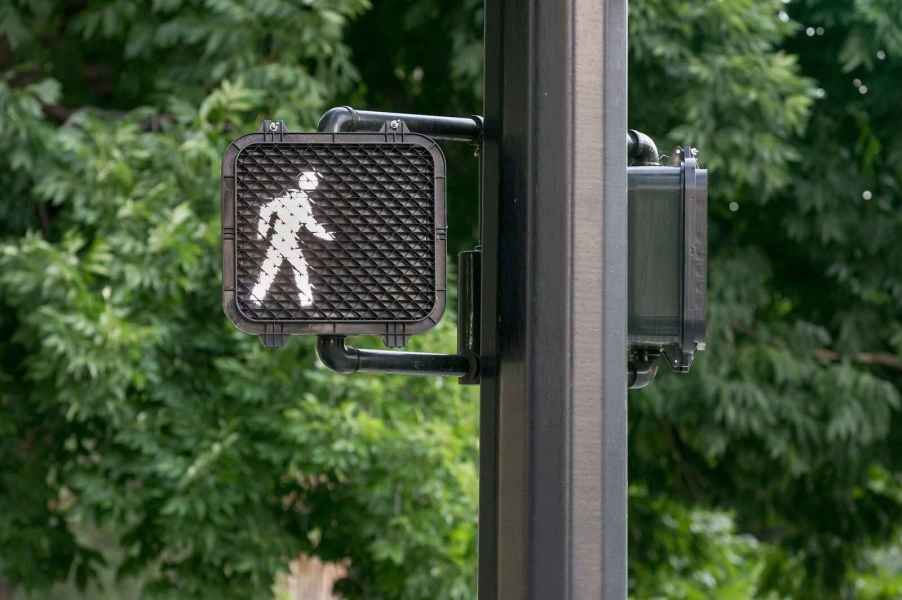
(346, 359)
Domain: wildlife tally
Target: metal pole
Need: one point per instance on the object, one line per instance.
(554, 280)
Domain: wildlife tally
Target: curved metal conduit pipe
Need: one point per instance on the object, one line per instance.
(454, 129)
(641, 149)
(331, 349)
(641, 374)
(347, 359)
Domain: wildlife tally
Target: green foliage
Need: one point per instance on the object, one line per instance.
(689, 554)
(712, 73)
(884, 579)
(789, 421)
(128, 401)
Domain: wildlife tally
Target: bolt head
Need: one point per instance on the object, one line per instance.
(395, 124)
(273, 126)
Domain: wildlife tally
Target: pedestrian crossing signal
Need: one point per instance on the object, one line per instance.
(333, 234)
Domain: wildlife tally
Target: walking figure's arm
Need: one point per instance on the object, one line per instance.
(266, 212)
(313, 225)
(318, 230)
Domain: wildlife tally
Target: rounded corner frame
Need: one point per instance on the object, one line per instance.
(228, 205)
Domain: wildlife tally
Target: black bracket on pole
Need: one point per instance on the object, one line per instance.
(346, 359)
(454, 129)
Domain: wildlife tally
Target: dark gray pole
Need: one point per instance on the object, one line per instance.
(554, 280)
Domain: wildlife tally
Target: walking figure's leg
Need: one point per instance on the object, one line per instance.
(268, 271)
(301, 277)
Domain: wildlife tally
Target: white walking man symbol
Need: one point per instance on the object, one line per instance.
(293, 210)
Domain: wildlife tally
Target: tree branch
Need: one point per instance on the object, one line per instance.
(881, 359)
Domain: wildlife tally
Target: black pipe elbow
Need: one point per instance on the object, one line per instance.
(641, 149)
(334, 119)
(333, 352)
(641, 375)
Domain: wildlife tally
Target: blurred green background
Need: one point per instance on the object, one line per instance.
(147, 449)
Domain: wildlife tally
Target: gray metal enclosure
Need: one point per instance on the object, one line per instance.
(661, 308)
(553, 476)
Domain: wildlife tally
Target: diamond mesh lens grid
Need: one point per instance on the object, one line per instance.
(378, 203)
